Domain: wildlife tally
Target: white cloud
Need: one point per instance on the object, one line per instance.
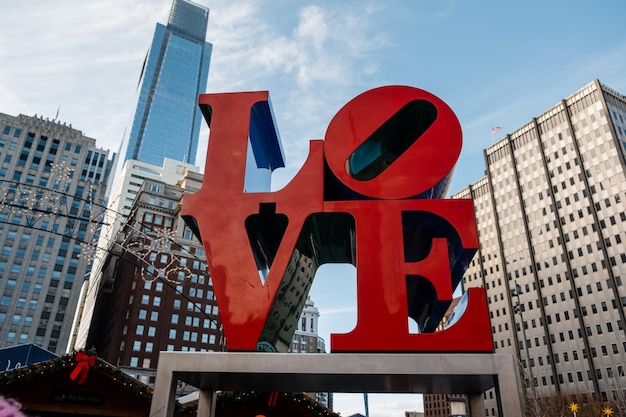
(340, 310)
(313, 26)
(82, 56)
(312, 63)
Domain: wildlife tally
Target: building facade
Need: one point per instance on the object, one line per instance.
(156, 293)
(53, 181)
(551, 223)
(306, 338)
(121, 201)
(167, 119)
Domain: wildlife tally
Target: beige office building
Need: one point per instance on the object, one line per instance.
(552, 224)
(53, 182)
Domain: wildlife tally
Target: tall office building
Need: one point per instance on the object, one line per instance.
(155, 293)
(52, 186)
(551, 222)
(163, 139)
(167, 119)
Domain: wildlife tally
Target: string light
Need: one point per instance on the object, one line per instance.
(69, 361)
(35, 203)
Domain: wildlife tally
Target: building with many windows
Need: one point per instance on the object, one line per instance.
(156, 293)
(167, 119)
(120, 204)
(551, 222)
(52, 186)
(305, 337)
(163, 139)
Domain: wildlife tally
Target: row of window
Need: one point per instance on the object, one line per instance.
(154, 315)
(566, 315)
(7, 131)
(584, 270)
(610, 373)
(189, 336)
(30, 138)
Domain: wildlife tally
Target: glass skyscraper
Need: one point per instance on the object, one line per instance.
(167, 119)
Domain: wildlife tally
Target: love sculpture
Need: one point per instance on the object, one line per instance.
(369, 194)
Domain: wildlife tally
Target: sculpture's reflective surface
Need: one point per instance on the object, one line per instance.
(367, 195)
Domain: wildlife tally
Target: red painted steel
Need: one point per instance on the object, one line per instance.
(388, 255)
(426, 162)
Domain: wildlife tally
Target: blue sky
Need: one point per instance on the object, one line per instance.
(494, 63)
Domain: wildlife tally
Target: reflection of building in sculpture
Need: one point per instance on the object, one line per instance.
(292, 295)
(551, 221)
(121, 200)
(307, 340)
(53, 186)
(156, 293)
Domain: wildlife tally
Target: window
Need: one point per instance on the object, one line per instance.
(137, 345)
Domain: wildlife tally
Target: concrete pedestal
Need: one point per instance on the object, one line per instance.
(470, 374)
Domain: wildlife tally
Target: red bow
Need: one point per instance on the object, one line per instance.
(84, 362)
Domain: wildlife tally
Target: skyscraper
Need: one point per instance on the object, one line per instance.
(163, 138)
(551, 223)
(52, 186)
(167, 119)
